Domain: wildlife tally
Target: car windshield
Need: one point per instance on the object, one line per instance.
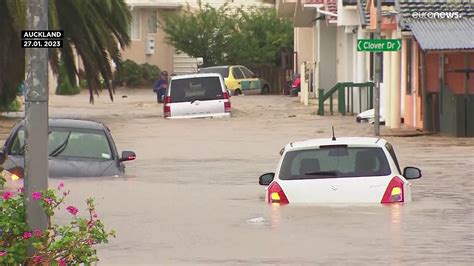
(224, 71)
(91, 144)
(334, 162)
(192, 89)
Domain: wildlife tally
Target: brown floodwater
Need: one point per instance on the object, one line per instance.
(192, 195)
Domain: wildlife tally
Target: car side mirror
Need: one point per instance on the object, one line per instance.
(266, 179)
(411, 172)
(128, 156)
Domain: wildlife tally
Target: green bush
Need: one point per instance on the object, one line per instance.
(14, 106)
(64, 85)
(134, 75)
(65, 88)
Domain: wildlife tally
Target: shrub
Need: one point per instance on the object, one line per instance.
(134, 75)
(64, 85)
(69, 244)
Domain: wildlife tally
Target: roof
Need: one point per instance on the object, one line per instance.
(74, 123)
(197, 75)
(444, 34)
(351, 141)
(329, 5)
(364, 15)
(439, 25)
(363, 8)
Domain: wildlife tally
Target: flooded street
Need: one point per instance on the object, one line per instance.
(192, 195)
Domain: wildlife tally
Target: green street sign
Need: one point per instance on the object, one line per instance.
(379, 45)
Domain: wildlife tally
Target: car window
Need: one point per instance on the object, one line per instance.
(192, 89)
(63, 143)
(247, 73)
(224, 71)
(237, 73)
(391, 151)
(334, 162)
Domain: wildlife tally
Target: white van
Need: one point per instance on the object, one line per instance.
(197, 95)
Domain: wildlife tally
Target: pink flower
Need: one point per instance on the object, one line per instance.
(62, 262)
(72, 210)
(48, 201)
(37, 233)
(27, 235)
(36, 195)
(90, 242)
(37, 259)
(7, 195)
(3, 253)
(21, 190)
(61, 185)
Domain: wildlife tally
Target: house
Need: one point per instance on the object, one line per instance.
(149, 41)
(326, 33)
(438, 65)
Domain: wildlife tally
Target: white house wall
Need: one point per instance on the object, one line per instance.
(328, 56)
(304, 45)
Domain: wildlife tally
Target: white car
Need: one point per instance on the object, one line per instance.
(343, 170)
(369, 116)
(197, 95)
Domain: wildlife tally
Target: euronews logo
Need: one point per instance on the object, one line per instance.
(436, 15)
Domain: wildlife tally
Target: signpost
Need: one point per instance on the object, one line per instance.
(379, 45)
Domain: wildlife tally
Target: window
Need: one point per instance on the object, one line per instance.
(135, 26)
(192, 89)
(392, 154)
(152, 22)
(334, 162)
(224, 71)
(247, 73)
(409, 66)
(237, 73)
(66, 143)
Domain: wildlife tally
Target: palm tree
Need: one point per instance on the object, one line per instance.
(96, 30)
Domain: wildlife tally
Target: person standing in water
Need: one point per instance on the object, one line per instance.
(160, 86)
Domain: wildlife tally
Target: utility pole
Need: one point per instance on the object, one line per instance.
(378, 71)
(36, 114)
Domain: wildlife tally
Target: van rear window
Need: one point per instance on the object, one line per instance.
(192, 89)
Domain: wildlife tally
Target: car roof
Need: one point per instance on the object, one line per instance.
(350, 141)
(197, 75)
(216, 67)
(75, 123)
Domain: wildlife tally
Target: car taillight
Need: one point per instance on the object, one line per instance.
(167, 107)
(227, 103)
(394, 192)
(276, 194)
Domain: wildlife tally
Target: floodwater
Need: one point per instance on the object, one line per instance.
(192, 196)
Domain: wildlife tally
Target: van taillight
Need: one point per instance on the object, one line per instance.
(276, 194)
(227, 103)
(394, 191)
(167, 107)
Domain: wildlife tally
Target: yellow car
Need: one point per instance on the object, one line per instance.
(239, 79)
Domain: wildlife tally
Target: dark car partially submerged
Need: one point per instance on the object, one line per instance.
(76, 148)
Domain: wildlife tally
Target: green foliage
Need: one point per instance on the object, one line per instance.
(13, 106)
(64, 85)
(133, 74)
(201, 34)
(224, 36)
(95, 29)
(69, 244)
